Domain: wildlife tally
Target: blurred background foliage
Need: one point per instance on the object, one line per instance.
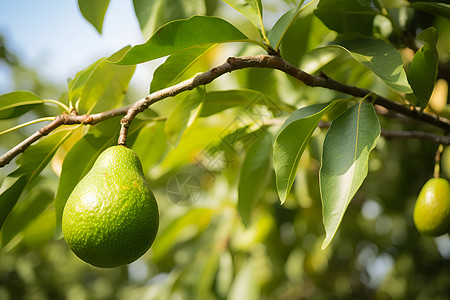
(203, 250)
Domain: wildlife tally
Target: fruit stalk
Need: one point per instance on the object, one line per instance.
(437, 160)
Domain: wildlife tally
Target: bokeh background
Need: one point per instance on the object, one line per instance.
(203, 250)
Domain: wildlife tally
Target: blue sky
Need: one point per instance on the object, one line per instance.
(53, 38)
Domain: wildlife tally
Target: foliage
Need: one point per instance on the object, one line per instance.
(221, 157)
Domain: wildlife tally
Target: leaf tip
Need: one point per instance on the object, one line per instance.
(327, 241)
(282, 195)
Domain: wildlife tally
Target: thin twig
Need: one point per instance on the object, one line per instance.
(437, 161)
(401, 134)
(46, 119)
(421, 135)
(64, 119)
(232, 64)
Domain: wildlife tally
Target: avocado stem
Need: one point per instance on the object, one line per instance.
(437, 160)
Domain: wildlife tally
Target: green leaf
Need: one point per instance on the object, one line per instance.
(77, 84)
(254, 175)
(26, 211)
(10, 192)
(346, 16)
(194, 141)
(183, 115)
(280, 28)
(261, 79)
(151, 136)
(94, 12)
(236, 138)
(319, 58)
(290, 142)
(38, 155)
(183, 34)
(346, 148)
(251, 9)
(217, 101)
(15, 104)
(297, 39)
(152, 14)
(148, 13)
(40, 230)
(31, 163)
(381, 58)
(105, 85)
(176, 66)
(435, 8)
(424, 68)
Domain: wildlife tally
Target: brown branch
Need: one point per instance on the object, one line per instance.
(273, 62)
(401, 134)
(326, 82)
(64, 119)
(398, 134)
(232, 64)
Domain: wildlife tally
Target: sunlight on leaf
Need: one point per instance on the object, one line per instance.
(251, 9)
(10, 191)
(183, 115)
(105, 85)
(381, 58)
(94, 11)
(17, 103)
(280, 28)
(173, 69)
(148, 14)
(183, 34)
(254, 174)
(347, 16)
(290, 142)
(217, 101)
(25, 211)
(38, 155)
(346, 148)
(151, 136)
(31, 163)
(424, 68)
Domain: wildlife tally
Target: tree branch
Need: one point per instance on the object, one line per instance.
(64, 119)
(398, 134)
(232, 64)
(401, 134)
